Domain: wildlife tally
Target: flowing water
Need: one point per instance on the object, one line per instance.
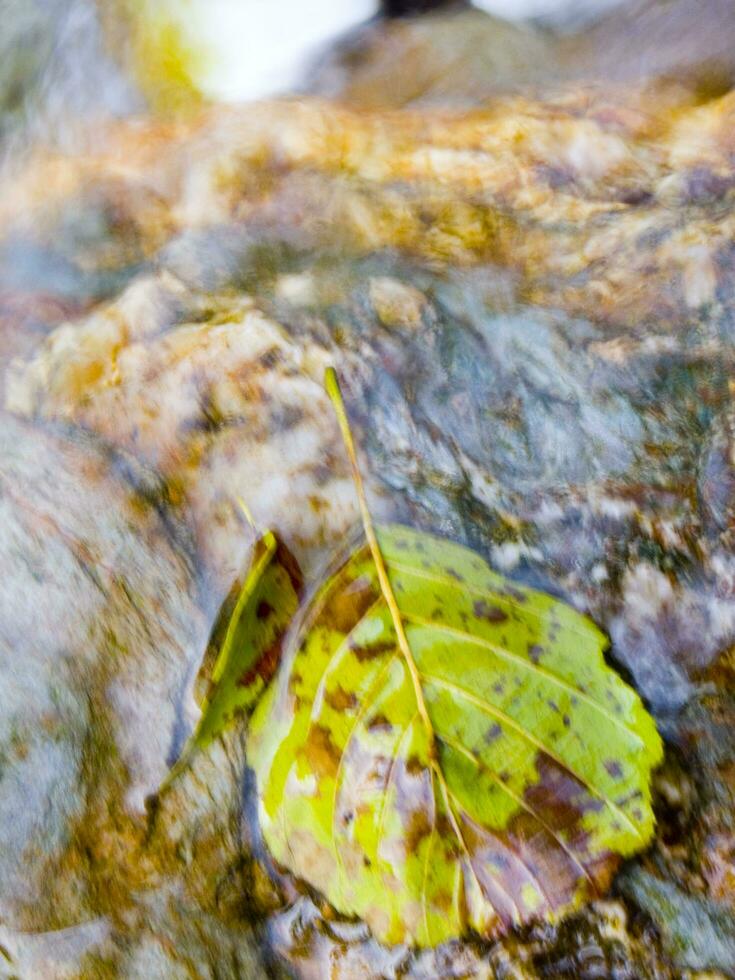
(516, 246)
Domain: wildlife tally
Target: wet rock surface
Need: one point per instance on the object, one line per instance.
(599, 942)
(103, 621)
(531, 310)
(461, 56)
(414, 60)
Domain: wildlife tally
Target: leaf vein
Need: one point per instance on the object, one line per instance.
(338, 781)
(448, 796)
(527, 665)
(429, 849)
(469, 754)
(502, 716)
(525, 610)
(341, 648)
(388, 783)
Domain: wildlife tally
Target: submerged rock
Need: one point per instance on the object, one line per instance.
(102, 624)
(698, 934)
(507, 428)
(596, 943)
(455, 56)
(220, 400)
(57, 74)
(530, 305)
(461, 56)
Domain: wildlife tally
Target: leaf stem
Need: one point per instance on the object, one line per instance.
(331, 384)
(247, 514)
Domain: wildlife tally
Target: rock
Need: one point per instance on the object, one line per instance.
(697, 934)
(593, 944)
(530, 307)
(704, 734)
(412, 61)
(53, 954)
(46, 87)
(529, 415)
(102, 627)
(684, 885)
(200, 387)
(693, 44)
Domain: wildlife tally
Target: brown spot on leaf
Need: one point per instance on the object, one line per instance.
(492, 614)
(443, 901)
(534, 652)
(494, 732)
(321, 752)
(263, 610)
(444, 826)
(370, 651)
(614, 768)
(284, 558)
(419, 827)
(378, 722)
(414, 765)
(340, 700)
(347, 603)
(265, 667)
(558, 797)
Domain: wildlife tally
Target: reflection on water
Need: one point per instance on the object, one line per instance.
(529, 298)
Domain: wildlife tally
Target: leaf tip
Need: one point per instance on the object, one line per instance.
(331, 385)
(246, 512)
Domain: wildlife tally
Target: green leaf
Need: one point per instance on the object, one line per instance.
(515, 802)
(446, 751)
(251, 647)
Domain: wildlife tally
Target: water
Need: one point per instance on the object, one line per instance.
(530, 306)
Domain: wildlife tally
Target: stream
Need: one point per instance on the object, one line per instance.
(516, 246)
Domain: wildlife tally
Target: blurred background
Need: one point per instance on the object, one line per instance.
(63, 60)
(252, 48)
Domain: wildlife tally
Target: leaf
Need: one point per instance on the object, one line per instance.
(445, 751)
(251, 647)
